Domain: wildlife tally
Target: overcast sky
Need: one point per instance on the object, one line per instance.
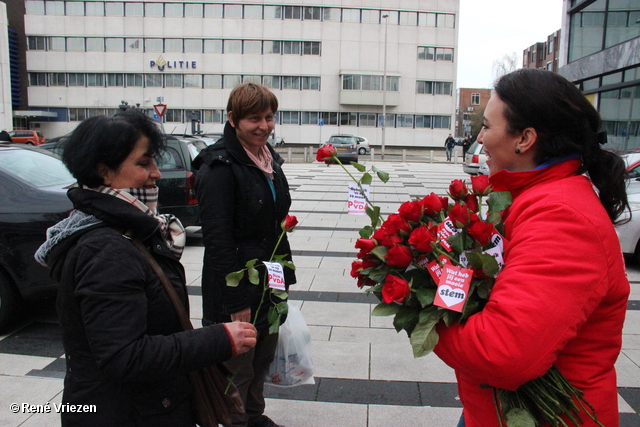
(489, 29)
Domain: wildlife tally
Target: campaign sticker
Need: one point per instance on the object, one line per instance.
(453, 288)
(357, 203)
(434, 268)
(276, 275)
(445, 230)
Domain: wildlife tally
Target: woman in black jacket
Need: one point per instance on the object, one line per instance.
(126, 352)
(243, 197)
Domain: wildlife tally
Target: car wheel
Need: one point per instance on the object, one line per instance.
(362, 151)
(9, 299)
(29, 142)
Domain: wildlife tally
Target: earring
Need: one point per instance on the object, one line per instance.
(517, 151)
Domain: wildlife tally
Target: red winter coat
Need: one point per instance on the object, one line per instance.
(560, 299)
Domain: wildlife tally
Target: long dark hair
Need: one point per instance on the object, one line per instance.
(566, 124)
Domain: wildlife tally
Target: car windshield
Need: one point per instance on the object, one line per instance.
(35, 168)
(341, 140)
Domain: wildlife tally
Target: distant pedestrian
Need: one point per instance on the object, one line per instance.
(4, 136)
(449, 143)
(465, 146)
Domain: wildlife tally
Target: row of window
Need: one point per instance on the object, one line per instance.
(435, 53)
(120, 44)
(238, 11)
(207, 81)
(175, 115)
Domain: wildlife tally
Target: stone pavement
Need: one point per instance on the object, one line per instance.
(365, 372)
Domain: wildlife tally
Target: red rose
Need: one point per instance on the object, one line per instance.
(459, 214)
(384, 238)
(458, 189)
(289, 223)
(365, 246)
(480, 185)
(432, 204)
(411, 210)
(355, 266)
(481, 231)
(395, 223)
(399, 256)
(471, 202)
(395, 289)
(324, 152)
(421, 239)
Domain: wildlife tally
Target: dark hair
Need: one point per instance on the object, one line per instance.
(566, 124)
(250, 98)
(108, 140)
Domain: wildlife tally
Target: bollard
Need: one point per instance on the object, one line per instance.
(304, 155)
(289, 155)
(372, 154)
(431, 156)
(404, 155)
(455, 158)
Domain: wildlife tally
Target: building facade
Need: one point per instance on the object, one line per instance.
(324, 59)
(471, 104)
(543, 55)
(600, 52)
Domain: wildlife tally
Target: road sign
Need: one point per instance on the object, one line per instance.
(160, 109)
(321, 122)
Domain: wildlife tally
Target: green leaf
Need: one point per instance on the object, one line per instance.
(380, 252)
(275, 326)
(487, 263)
(405, 315)
(425, 296)
(251, 263)
(361, 168)
(366, 231)
(384, 176)
(272, 315)
(366, 178)
(280, 293)
(499, 201)
(384, 309)
(254, 277)
(460, 242)
(288, 264)
(233, 279)
(282, 308)
(424, 338)
(450, 317)
(430, 313)
(519, 417)
(494, 217)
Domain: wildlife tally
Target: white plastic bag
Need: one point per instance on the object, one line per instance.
(292, 364)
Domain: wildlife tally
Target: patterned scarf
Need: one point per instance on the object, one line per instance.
(263, 160)
(146, 199)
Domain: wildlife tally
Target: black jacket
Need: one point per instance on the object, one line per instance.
(240, 222)
(125, 350)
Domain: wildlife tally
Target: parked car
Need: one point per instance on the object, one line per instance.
(275, 141)
(629, 233)
(34, 197)
(483, 169)
(474, 158)
(346, 147)
(363, 145)
(32, 137)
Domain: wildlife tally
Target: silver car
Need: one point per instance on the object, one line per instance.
(474, 158)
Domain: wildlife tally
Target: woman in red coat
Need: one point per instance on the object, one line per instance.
(561, 297)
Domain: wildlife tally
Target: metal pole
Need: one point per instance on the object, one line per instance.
(384, 85)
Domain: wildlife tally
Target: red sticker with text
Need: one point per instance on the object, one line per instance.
(453, 288)
(434, 268)
(445, 230)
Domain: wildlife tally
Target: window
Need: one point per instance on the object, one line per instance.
(272, 47)
(134, 45)
(427, 19)
(173, 115)
(153, 45)
(348, 119)
(233, 11)
(251, 79)
(34, 7)
(409, 18)
(213, 81)
(311, 83)
(173, 80)
(153, 80)
(392, 18)
(444, 54)
(446, 20)
(475, 99)
(441, 122)
(271, 81)
(134, 80)
(292, 12)
(390, 120)
(213, 11)
(371, 82)
(311, 48)
(550, 45)
(351, 82)
(94, 79)
(76, 79)
(253, 12)
(331, 14)
(55, 7)
(77, 114)
(370, 16)
(115, 79)
(404, 120)
(312, 13)
(309, 118)
(253, 46)
(133, 9)
(75, 44)
(153, 9)
(173, 45)
(427, 53)
(272, 12)
(233, 46)
(94, 112)
(37, 79)
(423, 121)
(94, 8)
(213, 46)
(290, 82)
(367, 119)
(213, 116)
(115, 44)
(95, 44)
(231, 81)
(56, 44)
(174, 10)
(442, 88)
(193, 45)
(329, 118)
(424, 87)
(290, 117)
(290, 48)
(75, 8)
(57, 79)
(36, 43)
(350, 15)
(114, 8)
(193, 10)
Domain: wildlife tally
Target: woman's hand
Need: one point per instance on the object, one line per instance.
(242, 316)
(242, 336)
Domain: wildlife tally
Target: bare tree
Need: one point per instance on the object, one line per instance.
(505, 65)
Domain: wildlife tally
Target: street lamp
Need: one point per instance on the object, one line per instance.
(384, 83)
